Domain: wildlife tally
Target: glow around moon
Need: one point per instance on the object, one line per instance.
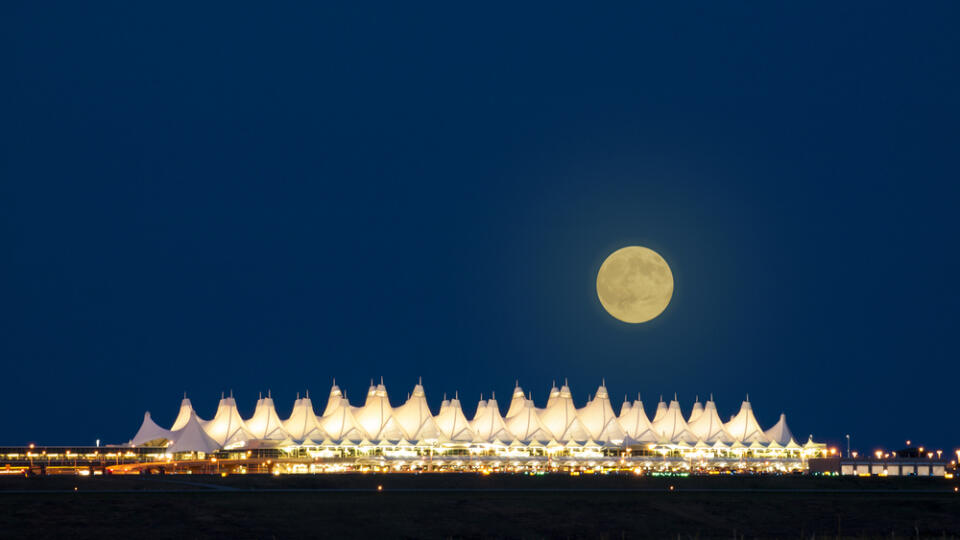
(635, 284)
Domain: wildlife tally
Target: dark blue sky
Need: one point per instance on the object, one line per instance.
(202, 199)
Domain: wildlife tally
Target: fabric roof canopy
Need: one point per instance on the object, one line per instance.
(599, 419)
(186, 411)
(708, 426)
(561, 421)
(744, 426)
(636, 425)
(488, 425)
(192, 438)
(265, 424)
(302, 423)
(780, 433)
(227, 427)
(672, 427)
(149, 431)
(453, 424)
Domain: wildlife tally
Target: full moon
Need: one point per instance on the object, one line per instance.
(634, 284)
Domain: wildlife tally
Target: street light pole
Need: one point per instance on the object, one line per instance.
(848, 446)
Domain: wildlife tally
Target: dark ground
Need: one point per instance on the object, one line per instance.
(443, 506)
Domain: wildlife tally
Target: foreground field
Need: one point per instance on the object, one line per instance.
(468, 506)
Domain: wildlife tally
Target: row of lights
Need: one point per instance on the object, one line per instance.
(880, 454)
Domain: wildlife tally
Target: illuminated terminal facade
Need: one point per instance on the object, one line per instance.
(377, 436)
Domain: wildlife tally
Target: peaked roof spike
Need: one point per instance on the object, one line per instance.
(268, 393)
(711, 396)
(748, 397)
(308, 393)
(517, 383)
(381, 379)
(231, 393)
(184, 394)
(420, 380)
(566, 382)
(493, 395)
(675, 396)
(603, 381)
(456, 394)
(298, 395)
(260, 394)
(221, 395)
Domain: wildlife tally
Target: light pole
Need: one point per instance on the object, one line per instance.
(848, 446)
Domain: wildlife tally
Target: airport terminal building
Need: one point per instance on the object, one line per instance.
(377, 436)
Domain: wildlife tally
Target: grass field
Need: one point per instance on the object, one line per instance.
(470, 506)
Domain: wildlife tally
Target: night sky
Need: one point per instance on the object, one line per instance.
(204, 199)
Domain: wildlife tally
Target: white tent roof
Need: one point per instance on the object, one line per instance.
(672, 427)
(377, 422)
(598, 418)
(303, 423)
(561, 419)
(265, 424)
(744, 426)
(149, 431)
(453, 424)
(227, 427)
(186, 410)
(553, 395)
(338, 421)
(780, 433)
(488, 425)
(708, 426)
(661, 410)
(526, 425)
(376, 416)
(334, 400)
(516, 402)
(636, 425)
(415, 417)
(192, 438)
(696, 412)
